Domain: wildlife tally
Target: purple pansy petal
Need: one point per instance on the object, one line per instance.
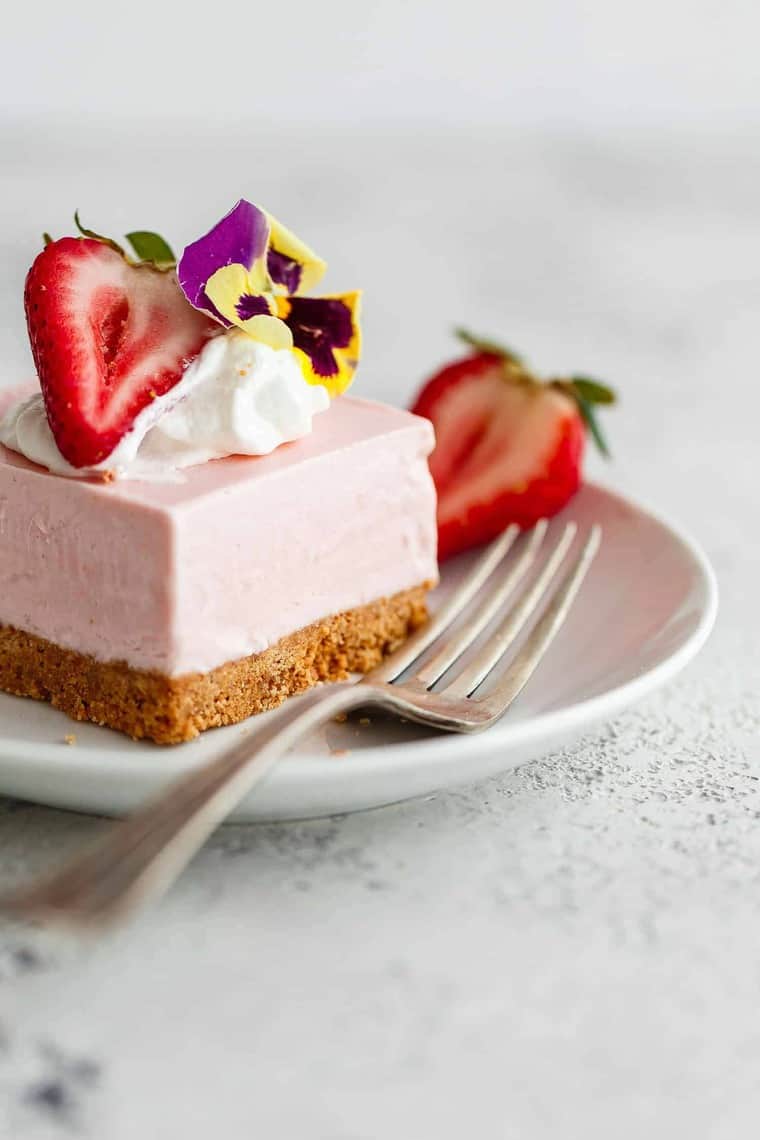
(326, 337)
(319, 326)
(285, 271)
(250, 305)
(240, 238)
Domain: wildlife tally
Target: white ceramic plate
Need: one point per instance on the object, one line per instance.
(644, 611)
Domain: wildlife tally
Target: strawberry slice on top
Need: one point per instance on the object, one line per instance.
(108, 337)
(509, 446)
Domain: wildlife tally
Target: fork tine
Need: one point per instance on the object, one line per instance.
(497, 645)
(394, 665)
(527, 660)
(452, 649)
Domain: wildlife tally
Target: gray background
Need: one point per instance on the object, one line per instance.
(342, 61)
(570, 949)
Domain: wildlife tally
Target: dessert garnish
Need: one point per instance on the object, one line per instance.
(108, 338)
(509, 445)
(146, 364)
(250, 272)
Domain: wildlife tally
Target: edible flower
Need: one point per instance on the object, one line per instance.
(293, 267)
(249, 272)
(326, 337)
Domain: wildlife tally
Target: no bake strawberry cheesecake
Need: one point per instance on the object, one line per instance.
(195, 521)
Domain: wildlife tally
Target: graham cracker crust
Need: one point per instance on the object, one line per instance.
(169, 710)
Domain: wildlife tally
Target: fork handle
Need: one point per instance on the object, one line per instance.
(140, 857)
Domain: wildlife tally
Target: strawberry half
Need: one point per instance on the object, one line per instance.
(108, 337)
(509, 447)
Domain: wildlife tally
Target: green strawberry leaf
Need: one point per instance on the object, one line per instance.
(482, 344)
(593, 391)
(586, 409)
(151, 247)
(98, 237)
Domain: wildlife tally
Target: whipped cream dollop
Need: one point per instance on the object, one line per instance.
(238, 397)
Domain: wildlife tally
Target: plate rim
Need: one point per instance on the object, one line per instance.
(385, 758)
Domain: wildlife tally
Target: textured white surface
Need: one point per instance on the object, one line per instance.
(570, 949)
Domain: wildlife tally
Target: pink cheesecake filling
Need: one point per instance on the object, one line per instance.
(180, 578)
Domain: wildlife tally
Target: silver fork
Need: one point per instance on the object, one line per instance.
(143, 855)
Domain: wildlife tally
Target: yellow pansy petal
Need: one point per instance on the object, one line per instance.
(268, 330)
(258, 277)
(293, 266)
(231, 291)
(225, 288)
(230, 288)
(326, 337)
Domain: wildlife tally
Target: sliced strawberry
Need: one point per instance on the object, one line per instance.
(508, 449)
(108, 338)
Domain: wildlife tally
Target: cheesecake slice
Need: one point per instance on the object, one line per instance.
(163, 609)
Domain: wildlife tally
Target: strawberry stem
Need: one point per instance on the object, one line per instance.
(588, 394)
(483, 344)
(593, 390)
(589, 418)
(98, 237)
